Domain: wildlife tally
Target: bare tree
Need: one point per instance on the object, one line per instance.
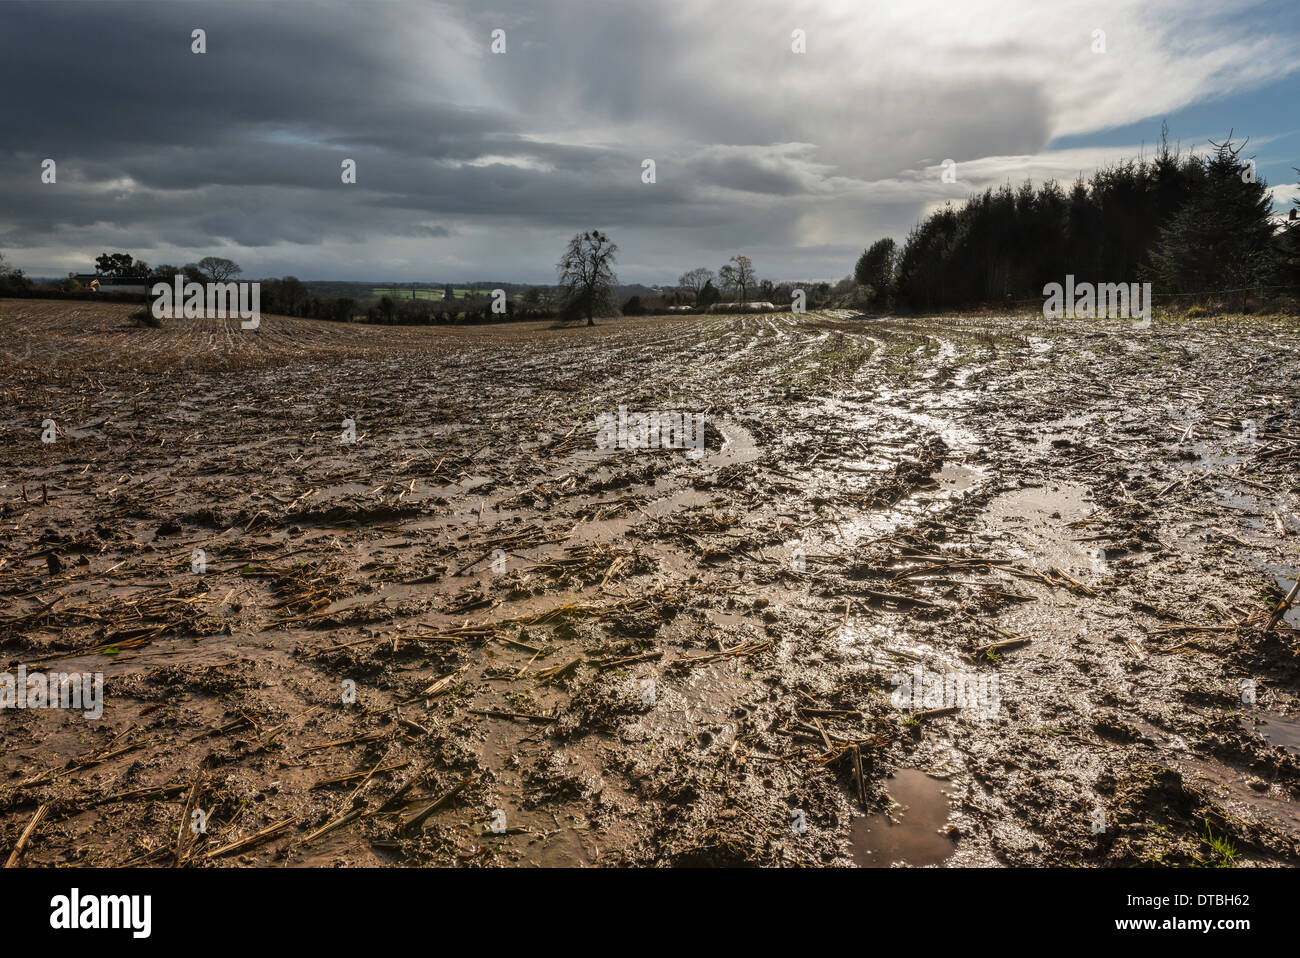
(587, 275)
(218, 269)
(738, 275)
(694, 280)
(12, 279)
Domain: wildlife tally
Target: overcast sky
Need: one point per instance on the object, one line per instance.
(478, 166)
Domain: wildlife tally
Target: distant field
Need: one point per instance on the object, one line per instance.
(434, 294)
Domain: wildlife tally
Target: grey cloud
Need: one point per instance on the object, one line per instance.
(239, 149)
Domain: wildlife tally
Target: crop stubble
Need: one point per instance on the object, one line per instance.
(651, 679)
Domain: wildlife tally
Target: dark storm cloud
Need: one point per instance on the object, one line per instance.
(242, 145)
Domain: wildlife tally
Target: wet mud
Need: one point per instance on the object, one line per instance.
(933, 592)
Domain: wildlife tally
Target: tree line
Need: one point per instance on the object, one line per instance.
(1189, 224)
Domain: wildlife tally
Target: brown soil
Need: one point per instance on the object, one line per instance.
(569, 655)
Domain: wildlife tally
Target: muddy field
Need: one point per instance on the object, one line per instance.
(969, 591)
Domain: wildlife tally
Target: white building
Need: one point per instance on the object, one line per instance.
(113, 284)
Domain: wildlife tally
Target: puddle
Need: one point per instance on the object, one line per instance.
(888, 645)
(914, 836)
(956, 437)
(955, 477)
(1285, 583)
(1040, 517)
(1275, 729)
(738, 445)
(683, 499)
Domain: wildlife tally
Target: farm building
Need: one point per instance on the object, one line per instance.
(753, 306)
(114, 284)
